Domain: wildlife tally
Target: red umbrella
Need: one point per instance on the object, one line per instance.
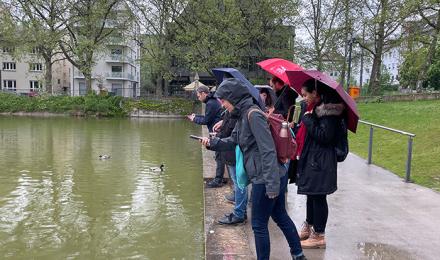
(299, 77)
(278, 67)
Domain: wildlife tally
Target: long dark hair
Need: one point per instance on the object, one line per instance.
(268, 102)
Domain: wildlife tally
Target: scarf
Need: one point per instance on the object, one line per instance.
(301, 136)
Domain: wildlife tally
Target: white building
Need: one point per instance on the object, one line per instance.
(117, 68)
(24, 75)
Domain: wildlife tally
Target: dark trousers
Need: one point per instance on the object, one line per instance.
(317, 212)
(262, 209)
(220, 168)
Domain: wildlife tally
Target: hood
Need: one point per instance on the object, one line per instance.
(208, 97)
(329, 109)
(233, 90)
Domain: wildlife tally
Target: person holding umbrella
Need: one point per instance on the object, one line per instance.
(317, 138)
(286, 97)
(268, 177)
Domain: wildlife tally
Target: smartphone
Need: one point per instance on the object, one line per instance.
(196, 137)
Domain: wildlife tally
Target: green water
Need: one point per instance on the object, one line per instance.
(59, 201)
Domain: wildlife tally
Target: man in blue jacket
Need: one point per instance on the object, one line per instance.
(212, 115)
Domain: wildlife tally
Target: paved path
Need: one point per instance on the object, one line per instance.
(373, 215)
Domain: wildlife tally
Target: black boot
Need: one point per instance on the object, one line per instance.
(230, 219)
(215, 183)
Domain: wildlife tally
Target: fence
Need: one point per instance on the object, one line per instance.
(410, 145)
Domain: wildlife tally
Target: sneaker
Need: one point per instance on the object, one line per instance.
(315, 240)
(305, 231)
(230, 219)
(230, 198)
(215, 183)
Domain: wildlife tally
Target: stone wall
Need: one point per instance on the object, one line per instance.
(403, 97)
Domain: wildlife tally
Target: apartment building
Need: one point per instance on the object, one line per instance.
(117, 68)
(24, 75)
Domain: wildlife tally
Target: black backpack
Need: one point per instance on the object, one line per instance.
(342, 143)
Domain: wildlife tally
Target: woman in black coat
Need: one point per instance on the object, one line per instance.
(317, 164)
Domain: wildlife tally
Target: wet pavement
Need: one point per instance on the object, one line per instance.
(373, 215)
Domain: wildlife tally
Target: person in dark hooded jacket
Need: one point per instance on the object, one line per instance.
(267, 175)
(317, 163)
(212, 115)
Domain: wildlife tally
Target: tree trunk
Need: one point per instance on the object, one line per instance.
(48, 76)
(346, 33)
(377, 62)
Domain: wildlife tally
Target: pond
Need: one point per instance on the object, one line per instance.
(58, 200)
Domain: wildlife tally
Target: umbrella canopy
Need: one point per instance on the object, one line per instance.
(278, 68)
(220, 72)
(299, 77)
(193, 85)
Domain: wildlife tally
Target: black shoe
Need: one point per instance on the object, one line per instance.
(231, 219)
(215, 183)
(302, 257)
(230, 198)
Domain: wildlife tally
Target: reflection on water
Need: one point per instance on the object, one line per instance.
(378, 251)
(59, 201)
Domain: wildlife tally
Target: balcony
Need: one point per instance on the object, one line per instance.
(119, 75)
(116, 41)
(119, 58)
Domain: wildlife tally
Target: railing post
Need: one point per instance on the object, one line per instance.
(370, 145)
(408, 160)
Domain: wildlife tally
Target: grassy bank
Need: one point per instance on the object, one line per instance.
(390, 149)
(91, 105)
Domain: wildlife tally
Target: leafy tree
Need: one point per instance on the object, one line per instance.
(40, 29)
(382, 19)
(90, 24)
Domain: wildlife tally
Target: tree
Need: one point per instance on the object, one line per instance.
(89, 24)
(383, 18)
(154, 16)
(321, 22)
(41, 29)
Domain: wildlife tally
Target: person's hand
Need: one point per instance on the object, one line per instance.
(272, 195)
(191, 117)
(205, 141)
(217, 126)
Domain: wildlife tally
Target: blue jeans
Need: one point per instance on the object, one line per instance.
(241, 195)
(262, 209)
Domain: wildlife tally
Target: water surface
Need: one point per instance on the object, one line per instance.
(59, 201)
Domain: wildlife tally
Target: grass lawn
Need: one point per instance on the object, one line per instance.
(390, 149)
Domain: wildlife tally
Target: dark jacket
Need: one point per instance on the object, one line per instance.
(213, 111)
(253, 136)
(226, 129)
(317, 163)
(285, 98)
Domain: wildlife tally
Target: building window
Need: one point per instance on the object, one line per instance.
(34, 85)
(35, 50)
(9, 66)
(116, 68)
(35, 67)
(10, 85)
(8, 49)
(59, 81)
(116, 51)
(392, 77)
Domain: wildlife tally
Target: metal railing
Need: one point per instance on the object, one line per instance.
(410, 145)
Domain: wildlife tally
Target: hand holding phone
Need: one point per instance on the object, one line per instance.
(195, 137)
